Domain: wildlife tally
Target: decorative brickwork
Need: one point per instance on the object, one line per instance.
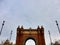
(24, 34)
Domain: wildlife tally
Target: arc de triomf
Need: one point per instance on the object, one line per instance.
(25, 34)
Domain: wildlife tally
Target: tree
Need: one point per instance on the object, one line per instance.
(7, 42)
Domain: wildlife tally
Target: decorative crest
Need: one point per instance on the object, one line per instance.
(38, 27)
(22, 27)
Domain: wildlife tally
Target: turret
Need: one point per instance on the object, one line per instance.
(42, 30)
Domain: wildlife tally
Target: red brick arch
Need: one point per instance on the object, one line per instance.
(24, 34)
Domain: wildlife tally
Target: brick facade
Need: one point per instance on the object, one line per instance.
(35, 34)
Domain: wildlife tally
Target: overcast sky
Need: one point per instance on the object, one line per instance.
(30, 13)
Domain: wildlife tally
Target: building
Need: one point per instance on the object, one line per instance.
(25, 34)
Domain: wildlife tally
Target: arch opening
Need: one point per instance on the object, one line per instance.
(30, 42)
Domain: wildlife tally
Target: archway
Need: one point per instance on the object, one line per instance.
(30, 42)
(30, 36)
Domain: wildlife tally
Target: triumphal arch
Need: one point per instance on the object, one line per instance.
(25, 34)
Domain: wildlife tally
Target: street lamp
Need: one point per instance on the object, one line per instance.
(2, 27)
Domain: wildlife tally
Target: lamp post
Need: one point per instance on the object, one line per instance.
(57, 26)
(50, 37)
(11, 35)
(2, 27)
